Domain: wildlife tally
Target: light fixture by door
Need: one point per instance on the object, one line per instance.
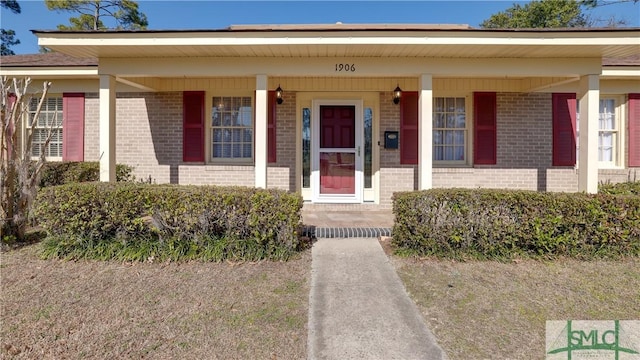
(279, 95)
(397, 93)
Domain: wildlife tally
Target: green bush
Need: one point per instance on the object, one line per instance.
(59, 173)
(625, 188)
(498, 224)
(134, 221)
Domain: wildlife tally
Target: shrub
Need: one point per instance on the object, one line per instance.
(59, 173)
(498, 224)
(133, 221)
(625, 188)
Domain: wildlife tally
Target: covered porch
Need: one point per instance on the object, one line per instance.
(341, 65)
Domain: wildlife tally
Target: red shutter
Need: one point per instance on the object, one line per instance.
(485, 128)
(634, 130)
(564, 129)
(271, 128)
(409, 127)
(72, 127)
(193, 126)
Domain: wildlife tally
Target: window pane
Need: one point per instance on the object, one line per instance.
(438, 105)
(217, 135)
(461, 121)
(438, 138)
(237, 135)
(226, 150)
(237, 150)
(450, 104)
(306, 147)
(217, 150)
(448, 153)
(460, 108)
(451, 121)
(438, 153)
(448, 137)
(368, 148)
(459, 137)
(247, 151)
(607, 114)
(439, 120)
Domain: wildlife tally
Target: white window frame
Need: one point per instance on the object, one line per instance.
(44, 112)
(618, 130)
(468, 141)
(210, 129)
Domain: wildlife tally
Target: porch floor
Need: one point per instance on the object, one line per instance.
(322, 223)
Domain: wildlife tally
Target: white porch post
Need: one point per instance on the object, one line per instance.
(107, 128)
(589, 109)
(425, 137)
(261, 132)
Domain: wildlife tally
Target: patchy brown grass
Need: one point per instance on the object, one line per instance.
(107, 310)
(491, 310)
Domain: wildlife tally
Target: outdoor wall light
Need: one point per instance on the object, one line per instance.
(397, 93)
(279, 95)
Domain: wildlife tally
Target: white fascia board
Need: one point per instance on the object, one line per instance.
(630, 72)
(40, 72)
(417, 38)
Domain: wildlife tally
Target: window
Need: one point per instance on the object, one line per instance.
(610, 136)
(232, 128)
(306, 147)
(49, 122)
(608, 132)
(449, 129)
(368, 147)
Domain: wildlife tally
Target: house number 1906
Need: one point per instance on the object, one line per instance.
(345, 67)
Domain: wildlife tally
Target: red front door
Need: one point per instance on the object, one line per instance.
(337, 150)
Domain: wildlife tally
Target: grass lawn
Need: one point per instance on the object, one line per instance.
(490, 310)
(54, 309)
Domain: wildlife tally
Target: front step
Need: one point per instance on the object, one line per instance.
(345, 232)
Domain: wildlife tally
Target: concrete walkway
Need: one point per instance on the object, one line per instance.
(359, 309)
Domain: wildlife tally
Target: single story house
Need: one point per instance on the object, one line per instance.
(347, 114)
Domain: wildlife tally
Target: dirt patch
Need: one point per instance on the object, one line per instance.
(89, 309)
(491, 310)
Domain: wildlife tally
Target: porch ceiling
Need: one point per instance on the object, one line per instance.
(349, 44)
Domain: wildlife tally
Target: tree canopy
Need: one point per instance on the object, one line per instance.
(539, 14)
(93, 13)
(8, 36)
(554, 14)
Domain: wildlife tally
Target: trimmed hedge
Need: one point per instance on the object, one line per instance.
(499, 224)
(625, 188)
(133, 221)
(60, 173)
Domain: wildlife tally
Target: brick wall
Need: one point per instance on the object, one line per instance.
(91, 127)
(393, 176)
(282, 173)
(149, 138)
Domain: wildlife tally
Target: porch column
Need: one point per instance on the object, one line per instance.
(589, 110)
(107, 128)
(261, 132)
(425, 137)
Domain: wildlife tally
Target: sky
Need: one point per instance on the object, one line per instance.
(210, 14)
